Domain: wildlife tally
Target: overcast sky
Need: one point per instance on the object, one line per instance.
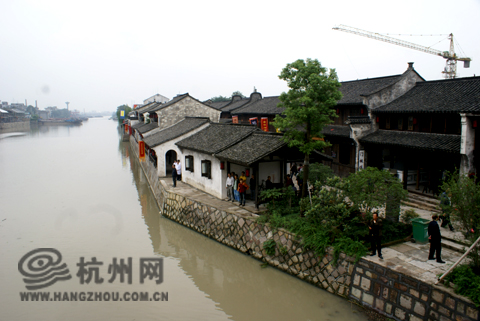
(100, 54)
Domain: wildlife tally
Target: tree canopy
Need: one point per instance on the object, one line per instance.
(314, 91)
(223, 98)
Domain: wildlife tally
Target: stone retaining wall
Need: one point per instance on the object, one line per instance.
(382, 289)
(19, 126)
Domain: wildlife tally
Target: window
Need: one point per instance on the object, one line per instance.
(344, 157)
(400, 124)
(207, 168)
(189, 163)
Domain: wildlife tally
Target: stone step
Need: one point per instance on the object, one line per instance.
(421, 205)
(422, 198)
(454, 246)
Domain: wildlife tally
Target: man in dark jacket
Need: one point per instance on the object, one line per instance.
(435, 239)
(375, 229)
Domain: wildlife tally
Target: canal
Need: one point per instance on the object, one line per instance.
(78, 190)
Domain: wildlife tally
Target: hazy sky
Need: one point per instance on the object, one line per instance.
(101, 54)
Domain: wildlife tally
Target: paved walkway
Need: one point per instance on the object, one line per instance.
(408, 258)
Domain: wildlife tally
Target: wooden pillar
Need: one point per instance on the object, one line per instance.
(417, 186)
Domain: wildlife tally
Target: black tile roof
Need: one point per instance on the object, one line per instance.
(235, 104)
(216, 137)
(147, 127)
(440, 96)
(252, 148)
(146, 107)
(170, 102)
(265, 106)
(352, 90)
(218, 104)
(180, 128)
(336, 130)
(138, 125)
(427, 141)
(358, 120)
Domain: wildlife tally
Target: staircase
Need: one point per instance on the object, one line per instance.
(424, 202)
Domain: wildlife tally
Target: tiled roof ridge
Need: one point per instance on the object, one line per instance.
(414, 133)
(427, 82)
(375, 78)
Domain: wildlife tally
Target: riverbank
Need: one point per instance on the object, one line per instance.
(390, 290)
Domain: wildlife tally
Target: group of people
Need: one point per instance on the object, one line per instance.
(434, 237)
(176, 172)
(237, 187)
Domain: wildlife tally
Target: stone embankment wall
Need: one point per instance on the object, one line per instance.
(389, 292)
(19, 126)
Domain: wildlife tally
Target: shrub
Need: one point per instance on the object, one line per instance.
(467, 283)
(269, 247)
(408, 215)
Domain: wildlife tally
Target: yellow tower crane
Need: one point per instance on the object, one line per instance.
(450, 70)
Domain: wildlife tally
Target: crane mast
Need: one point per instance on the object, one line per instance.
(450, 70)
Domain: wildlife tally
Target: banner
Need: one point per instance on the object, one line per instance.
(253, 121)
(235, 119)
(126, 128)
(264, 124)
(122, 114)
(141, 152)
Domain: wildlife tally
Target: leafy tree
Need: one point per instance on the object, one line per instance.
(314, 91)
(238, 93)
(220, 98)
(319, 173)
(464, 210)
(124, 107)
(372, 188)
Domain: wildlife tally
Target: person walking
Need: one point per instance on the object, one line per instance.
(229, 187)
(253, 187)
(174, 173)
(375, 229)
(435, 238)
(178, 167)
(445, 204)
(293, 169)
(242, 190)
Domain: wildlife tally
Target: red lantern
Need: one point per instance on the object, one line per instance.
(414, 121)
(222, 165)
(361, 111)
(474, 124)
(247, 172)
(338, 111)
(378, 119)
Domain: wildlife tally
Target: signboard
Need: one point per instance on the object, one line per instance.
(141, 152)
(253, 121)
(361, 159)
(122, 114)
(235, 119)
(264, 124)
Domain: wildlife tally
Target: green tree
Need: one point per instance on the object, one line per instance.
(319, 173)
(124, 107)
(464, 210)
(314, 91)
(220, 98)
(238, 93)
(372, 188)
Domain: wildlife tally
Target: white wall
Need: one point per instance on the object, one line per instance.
(271, 169)
(214, 186)
(162, 149)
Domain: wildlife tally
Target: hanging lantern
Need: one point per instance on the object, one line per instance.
(378, 119)
(361, 111)
(474, 124)
(414, 121)
(222, 165)
(247, 172)
(338, 111)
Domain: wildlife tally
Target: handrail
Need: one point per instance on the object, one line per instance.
(459, 260)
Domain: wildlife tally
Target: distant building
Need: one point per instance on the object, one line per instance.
(156, 98)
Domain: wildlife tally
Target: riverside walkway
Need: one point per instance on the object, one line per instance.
(407, 258)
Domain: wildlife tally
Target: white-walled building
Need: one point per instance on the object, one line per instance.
(156, 98)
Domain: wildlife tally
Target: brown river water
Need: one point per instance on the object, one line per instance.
(79, 191)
